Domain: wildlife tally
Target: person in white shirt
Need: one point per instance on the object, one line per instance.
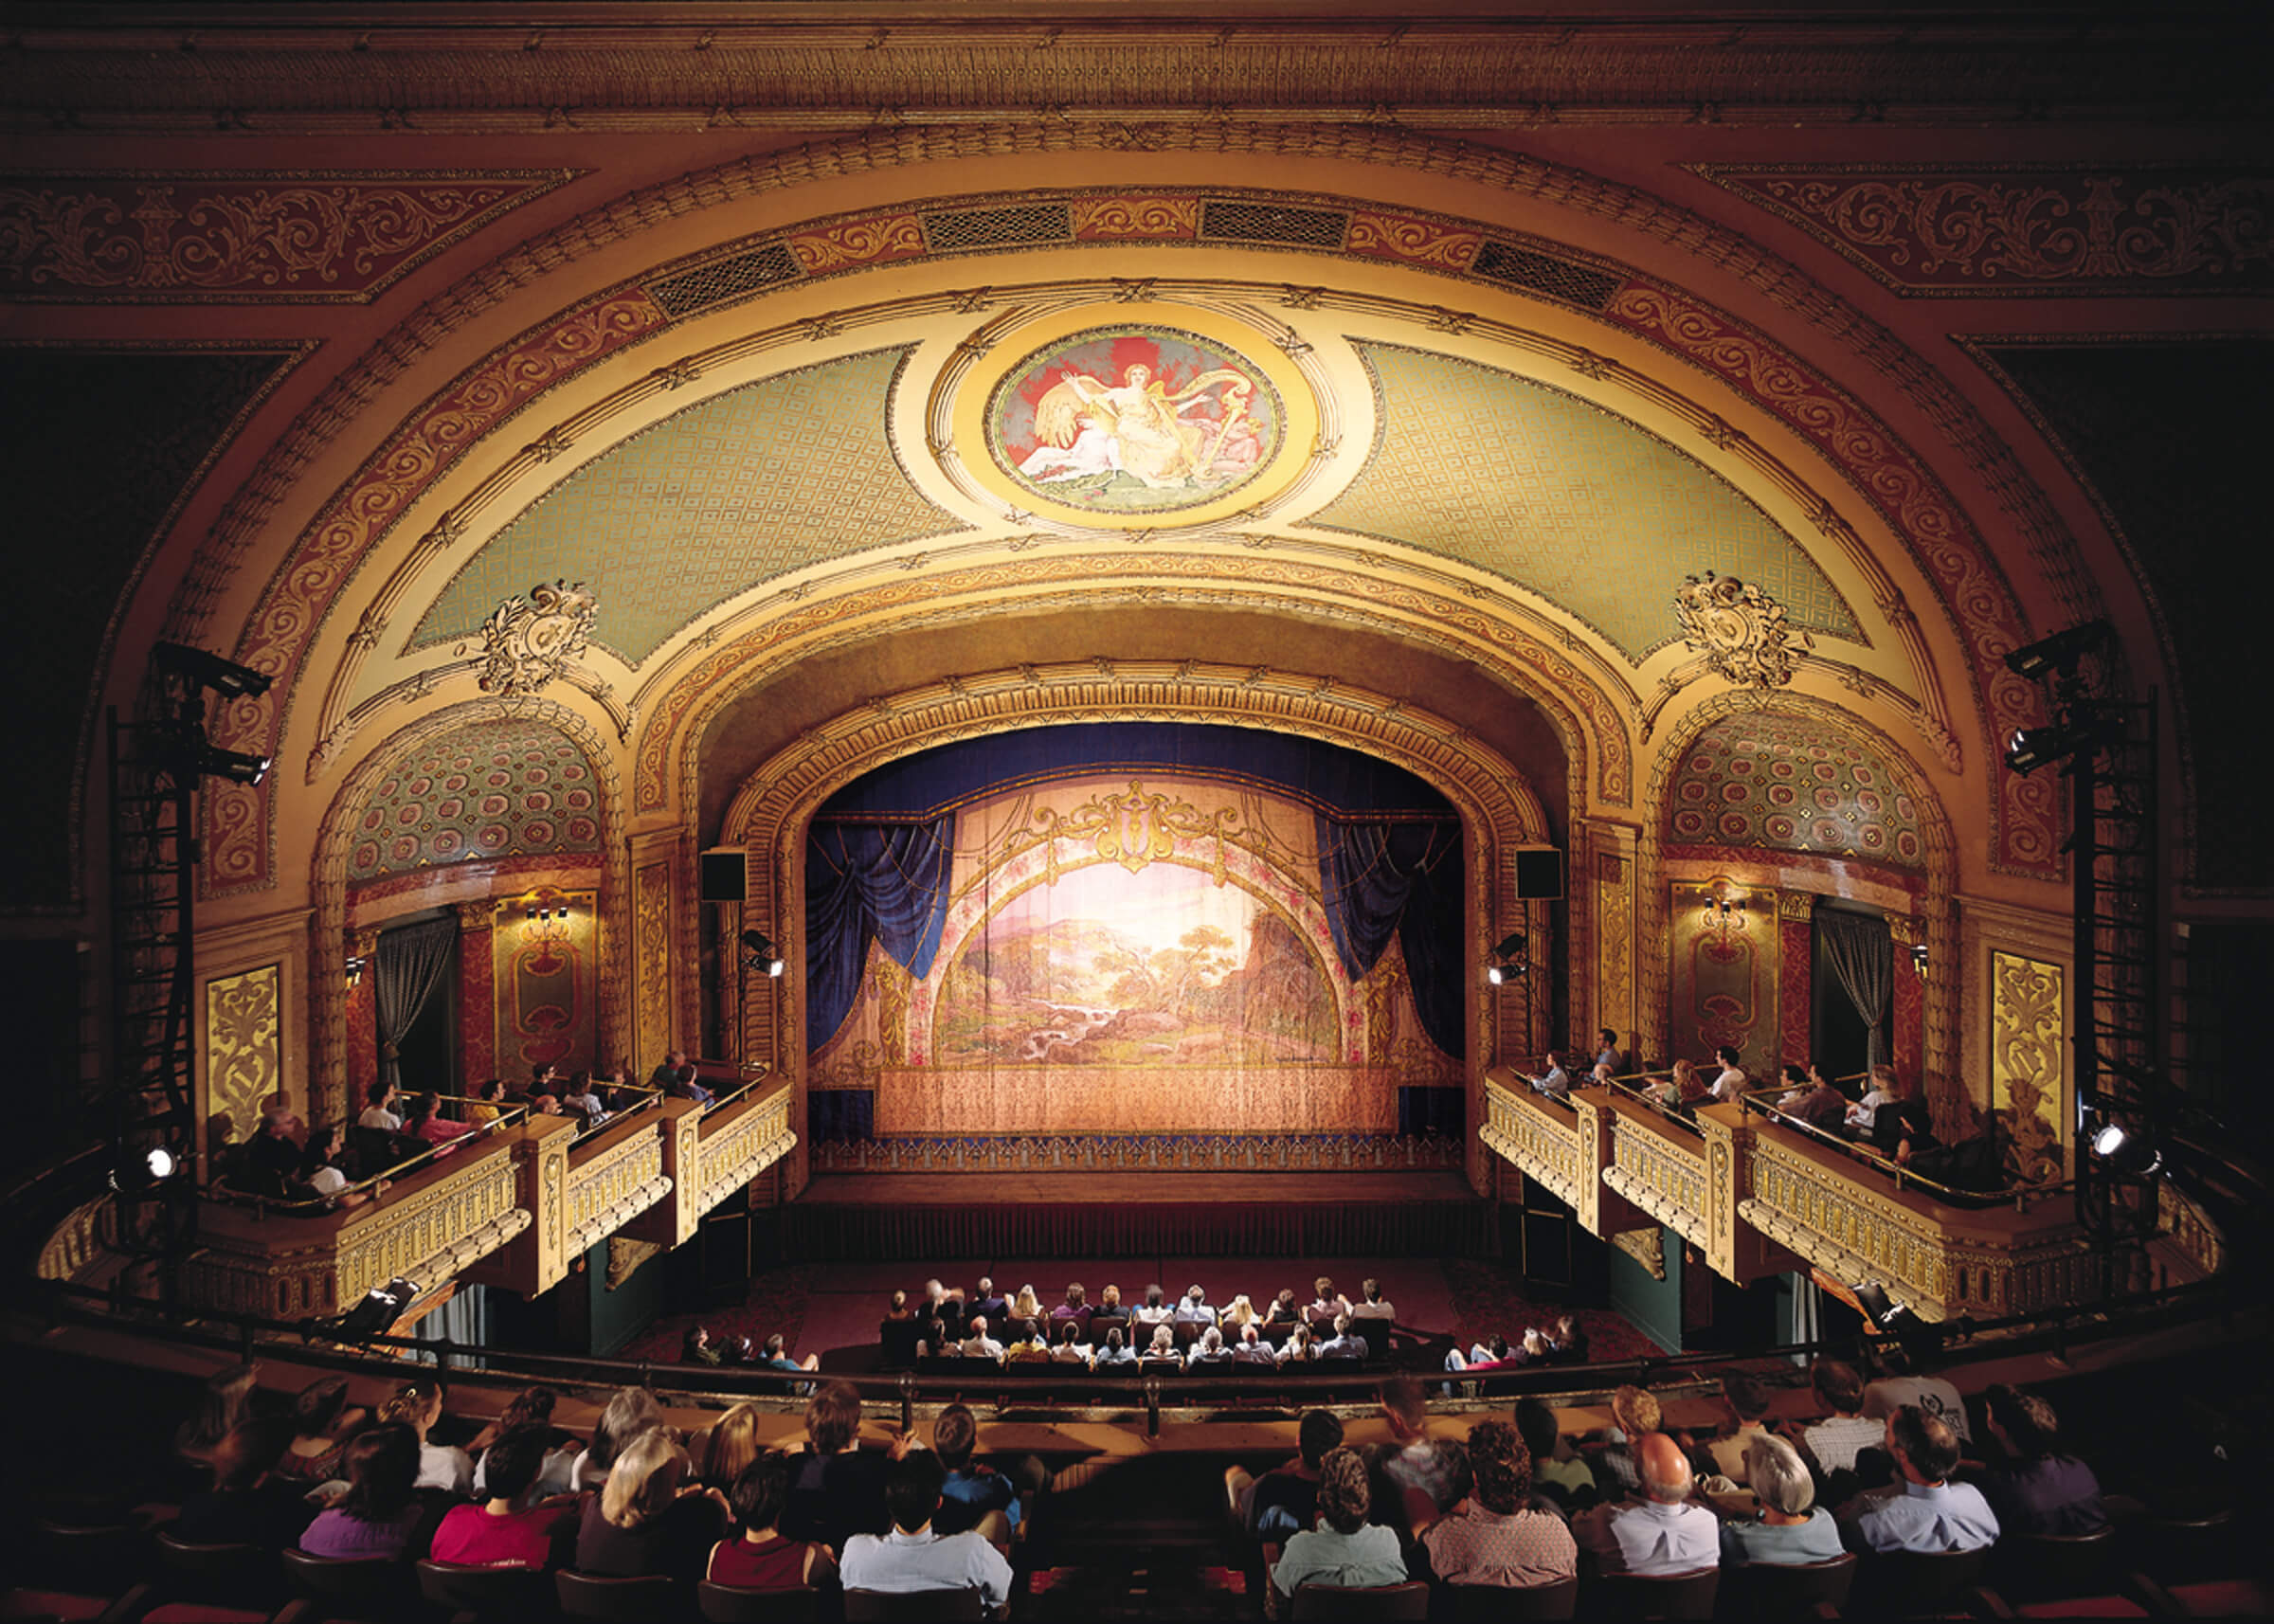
(1900, 1384)
(1376, 1306)
(1253, 1349)
(1732, 1081)
(979, 1345)
(1882, 1092)
(1555, 1080)
(377, 1114)
(1834, 1442)
(1661, 1533)
(418, 1406)
(1070, 1348)
(1923, 1510)
(1210, 1349)
(1194, 1310)
(1342, 1345)
(911, 1557)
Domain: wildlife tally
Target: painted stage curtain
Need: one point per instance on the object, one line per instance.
(870, 882)
(1381, 877)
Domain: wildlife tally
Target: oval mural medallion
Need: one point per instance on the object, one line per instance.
(1135, 419)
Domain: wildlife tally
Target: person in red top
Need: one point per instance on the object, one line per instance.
(493, 1534)
(762, 1559)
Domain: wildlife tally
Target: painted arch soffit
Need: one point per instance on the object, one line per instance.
(304, 589)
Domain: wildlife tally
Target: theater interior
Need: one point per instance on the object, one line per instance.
(1086, 641)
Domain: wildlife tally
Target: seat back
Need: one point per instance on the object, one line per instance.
(1377, 1335)
(2041, 1567)
(1655, 1596)
(734, 1604)
(1492, 1603)
(243, 1574)
(1775, 1590)
(99, 1556)
(1334, 1601)
(888, 1607)
(897, 1342)
(487, 1593)
(354, 1587)
(1903, 1584)
(608, 1600)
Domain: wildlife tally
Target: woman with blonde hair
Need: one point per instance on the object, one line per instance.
(1241, 1315)
(631, 1412)
(650, 1519)
(1026, 1307)
(732, 1446)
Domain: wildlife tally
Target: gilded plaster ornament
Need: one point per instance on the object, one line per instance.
(1741, 630)
(528, 641)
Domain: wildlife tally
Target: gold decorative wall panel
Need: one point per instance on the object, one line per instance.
(652, 932)
(245, 1016)
(613, 1178)
(1539, 1137)
(2029, 1051)
(740, 1141)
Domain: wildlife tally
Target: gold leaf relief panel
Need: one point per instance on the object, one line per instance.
(2027, 1000)
(243, 1054)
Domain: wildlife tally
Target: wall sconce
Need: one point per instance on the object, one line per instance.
(1724, 914)
(1509, 960)
(1918, 959)
(543, 913)
(355, 965)
(761, 954)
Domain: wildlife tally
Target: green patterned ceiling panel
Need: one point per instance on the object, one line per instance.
(1565, 499)
(736, 490)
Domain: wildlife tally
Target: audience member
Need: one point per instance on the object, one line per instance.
(583, 1099)
(1790, 1526)
(730, 1446)
(1833, 1443)
(1116, 1349)
(979, 1345)
(1283, 1311)
(1298, 1348)
(1253, 1349)
(939, 1343)
(1618, 1465)
(2038, 1489)
(378, 1112)
(760, 1558)
(1660, 1533)
(1731, 1081)
(914, 1555)
(486, 1106)
(1343, 1343)
(694, 1348)
(425, 1121)
(530, 1407)
(838, 1487)
(986, 1300)
(1033, 1345)
(1026, 1306)
(1070, 1348)
(1902, 1382)
(630, 1412)
(1408, 1461)
(971, 1496)
(1494, 1536)
(1569, 1343)
(1609, 1054)
(500, 1532)
(323, 1423)
(1748, 1402)
(650, 1519)
(776, 1357)
(1326, 1304)
(1154, 1310)
(1553, 1079)
(1163, 1344)
(1241, 1315)
(1074, 1311)
(381, 1514)
(417, 1405)
(1194, 1310)
(1375, 1307)
(1812, 1098)
(226, 1402)
(1553, 1468)
(1209, 1349)
(1879, 1089)
(1923, 1510)
(248, 1505)
(1284, 1500)
(1344, 1549)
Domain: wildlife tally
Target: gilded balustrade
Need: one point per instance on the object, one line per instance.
(1692, 1177)
(740, 1141)
(427, 1227)
(614, 1176)
(1941, 1261)
(1565, 1148)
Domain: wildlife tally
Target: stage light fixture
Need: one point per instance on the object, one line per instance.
(2125, 1150)
(225, 676)
(2059, 653)
(1508, 960)
(139, 1172)
(1887, 1313)
(761, 954)
(2032, 747)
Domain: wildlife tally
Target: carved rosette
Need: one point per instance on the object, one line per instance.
(1741, 630)
(528, 641)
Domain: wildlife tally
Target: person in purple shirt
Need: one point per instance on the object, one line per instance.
(381, 1514)
(2038, 1489)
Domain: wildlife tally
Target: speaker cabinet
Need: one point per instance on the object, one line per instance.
(1539, 874)
(723, 875)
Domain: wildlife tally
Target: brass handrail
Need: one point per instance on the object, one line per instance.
(2020, 1195)
(509, 1116)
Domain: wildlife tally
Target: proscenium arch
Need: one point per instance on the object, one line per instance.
(1939, 1049)
(1512, 174)
(328, 881)
(771, 813)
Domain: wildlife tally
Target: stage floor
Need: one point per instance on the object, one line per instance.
(1014, 1189)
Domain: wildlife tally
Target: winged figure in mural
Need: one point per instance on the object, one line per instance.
(1140, 428)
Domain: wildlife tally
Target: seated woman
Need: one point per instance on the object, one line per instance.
(1154, 1310)
(650, 1519)
(502, 1531)
(530, 1407)
(329, 1168)
(1026, 1306)
(323, 1424)
(1790, 1526)
(761, 1559)
(1033, 1345)
(1298, 1348)
(418, 1406)
(731, 1447)
(1163, 1346)
(631, 1412)
(488, 1102)
(1070, 1348)
(381, 1514)
(248, 1504)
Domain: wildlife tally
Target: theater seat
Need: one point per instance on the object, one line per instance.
(1492, 1603)
(485, 1593)
(1336, 1601)
(1773, 1590)
(889, 1607)
(736, 1604)
(608, 1600)
(1653, 1595)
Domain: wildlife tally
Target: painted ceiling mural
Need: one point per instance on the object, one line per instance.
(751, 484)
(1563, 498)
(1790, 784)
(492, 789)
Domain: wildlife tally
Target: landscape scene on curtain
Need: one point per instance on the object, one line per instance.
(1164, 967)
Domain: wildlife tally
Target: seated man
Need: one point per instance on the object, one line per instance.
(971, 1496)
(1495, 1536)
(1209, 1350)
(1283, 1501)
(1344, 1549)
(1611, 1055)
(1810, 1097)
(1833, 1443)
(1902, 1382)
(1554, 1079)
(1556, 1472)
(1568, 1345)
(1375, 1307)
(1116, 1349)
(914, 1556)
(1732, 1080)
(1193, 1308)
(2038, 1489)
(1660, 1533)
(1923, 1510)
(1748, 1402)
(939, 1343)
(987, 1301)
(979, 1345)
(675, 1079)
(1345, 1343)
(1253, 1349)
(1325, 1304)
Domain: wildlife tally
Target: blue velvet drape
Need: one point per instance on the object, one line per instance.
(867, 882)
(1403, 876)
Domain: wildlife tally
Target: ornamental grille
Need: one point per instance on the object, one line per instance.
(1544, 273)
(1266, 223)
(722, 279)
(998, 227)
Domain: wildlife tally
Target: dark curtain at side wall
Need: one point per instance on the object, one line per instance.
(1405, 877)
(1861, 957)
(870, 882)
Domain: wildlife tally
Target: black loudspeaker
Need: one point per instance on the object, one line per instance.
(723, 875)
(1539, 874)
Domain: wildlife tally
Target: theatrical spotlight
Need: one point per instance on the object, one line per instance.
(1887, 1313)
(2032, 747)
(2124, 1152)
(2059, 653)
(139, 1172)
(762, 954)
(192, 758)
(1508, 961)
(203, 669)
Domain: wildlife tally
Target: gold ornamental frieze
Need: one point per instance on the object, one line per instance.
(613, 1183)
(745, 1146)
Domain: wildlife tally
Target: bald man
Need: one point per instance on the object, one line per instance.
(1659, 1532)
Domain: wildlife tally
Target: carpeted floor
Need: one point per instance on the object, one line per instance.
(833, 1310)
